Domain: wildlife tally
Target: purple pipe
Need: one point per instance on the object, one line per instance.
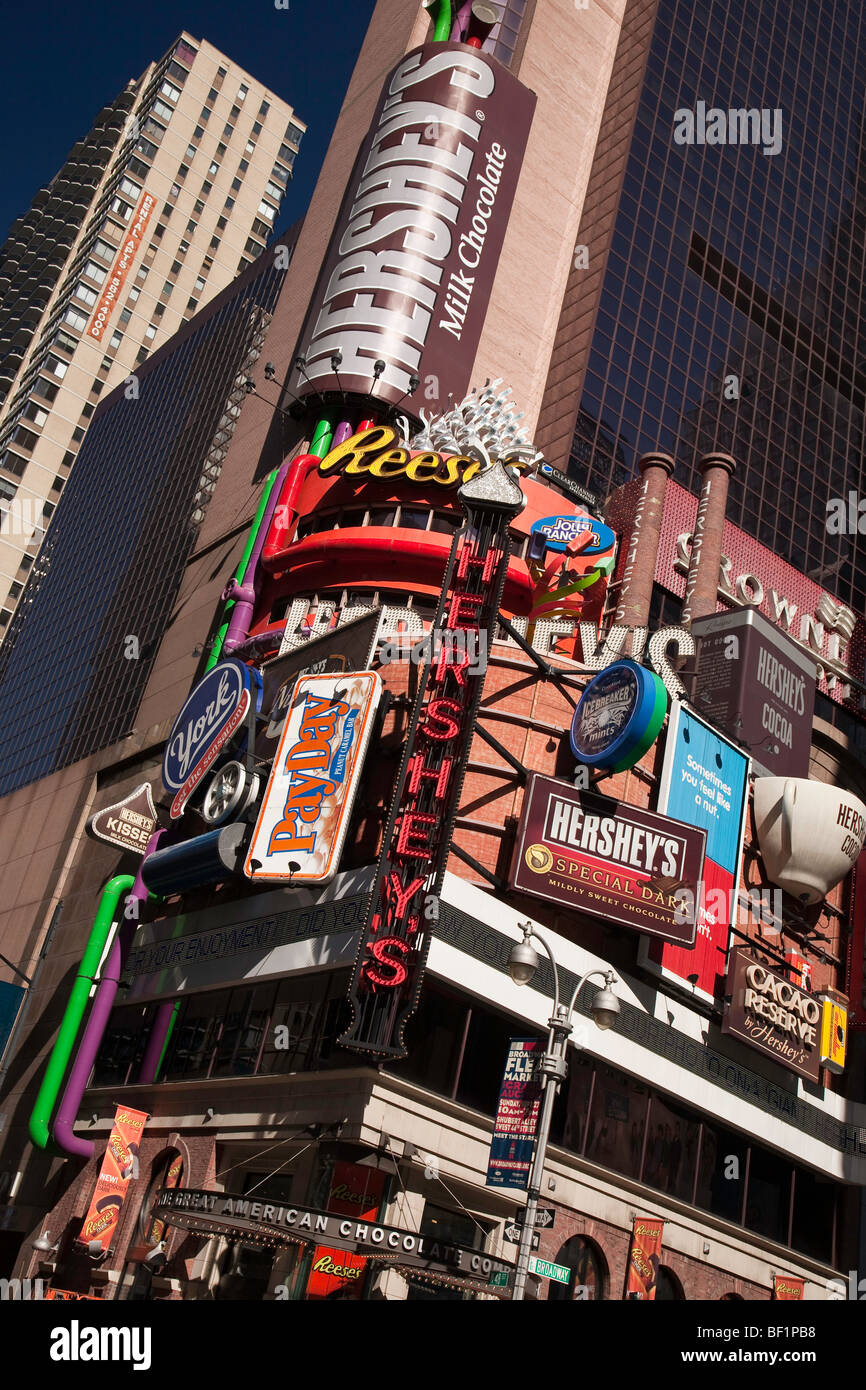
(461, 20)
(344, 431)
(91, 1039)
(244, 595)
(155, 1043)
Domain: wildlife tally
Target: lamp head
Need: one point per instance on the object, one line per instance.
(605, 1008)
(44, 1244)
(523, 961)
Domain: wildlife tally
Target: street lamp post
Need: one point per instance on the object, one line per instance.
(523, 962)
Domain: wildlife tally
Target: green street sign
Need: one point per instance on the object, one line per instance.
(498, 1279)
(548, 1270)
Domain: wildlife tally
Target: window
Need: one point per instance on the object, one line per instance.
(183, 248)
(221, 149)
(64, 342)
(166, 289)
(214, 243)
(75, 317)
(281, 174)
(154, 128)
(159, 232)
(588, 1269)
(13, 463)
(36, 413)
(142, 272)
(56, 365)
(43, 387)
(229, 204)
(150, 331)
(236, 185)
(176, 267)
(145, 147)
(7, 490)
(294, 134)
(130, 188)
(222, 223)
(158, 311)
(192, 304)
(243, 89)
(138, 166)
(121, 209)
(125, 316)
(228, 129)
(287, 155)
(249, 147)
(191, 225)
(214, 167)
(169, 90)
(198, 207)
(163, 110)
(264, 108)
(24, 438)
(274, 191)
(261, 228)
(266, 210)
(243, 166)
(182, 172)
(212, 95)
(185, 52)
(177, 72)
(141, 354)
(198, 132)
(190, 153)
(257, 127)
(206, 187)
(102, 249)
(116, 339)
(199, 284)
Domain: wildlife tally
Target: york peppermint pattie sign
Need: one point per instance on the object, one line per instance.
(212, 715)
(604, 857)
(305, 813)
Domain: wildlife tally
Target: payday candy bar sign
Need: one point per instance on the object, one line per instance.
(517, 1116)
(305, 813)
(413, 255)
(118, 1165)
(601, 856)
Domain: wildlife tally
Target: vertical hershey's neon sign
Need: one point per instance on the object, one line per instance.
(389, 965)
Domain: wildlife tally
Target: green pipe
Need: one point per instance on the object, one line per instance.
(322, 436)
(443, 19)
(55, 1071)
(240, 572)
(168, 1032)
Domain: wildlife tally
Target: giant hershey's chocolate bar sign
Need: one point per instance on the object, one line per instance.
(411, 263)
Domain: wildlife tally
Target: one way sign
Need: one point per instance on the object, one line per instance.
(545, 1217)
(512, 1232)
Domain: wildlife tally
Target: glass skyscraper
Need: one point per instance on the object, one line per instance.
(729, 308)
(70, 678)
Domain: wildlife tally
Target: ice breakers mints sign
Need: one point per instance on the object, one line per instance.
(308, 800)
(214, 712)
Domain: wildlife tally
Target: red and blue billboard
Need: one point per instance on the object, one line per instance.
(516, 1115)
(704, 782)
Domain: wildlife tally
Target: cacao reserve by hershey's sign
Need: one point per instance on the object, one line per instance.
(411, 262)
(768, 1012)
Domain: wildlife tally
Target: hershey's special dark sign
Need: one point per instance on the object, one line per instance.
(768, 1012)
(410, 266)
(601, 856)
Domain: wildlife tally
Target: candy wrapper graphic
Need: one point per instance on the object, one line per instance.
(644, 1258)
(119, 1166)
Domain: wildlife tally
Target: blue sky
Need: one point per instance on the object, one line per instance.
(64, 62)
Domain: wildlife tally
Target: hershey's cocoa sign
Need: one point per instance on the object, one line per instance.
(411, 262)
